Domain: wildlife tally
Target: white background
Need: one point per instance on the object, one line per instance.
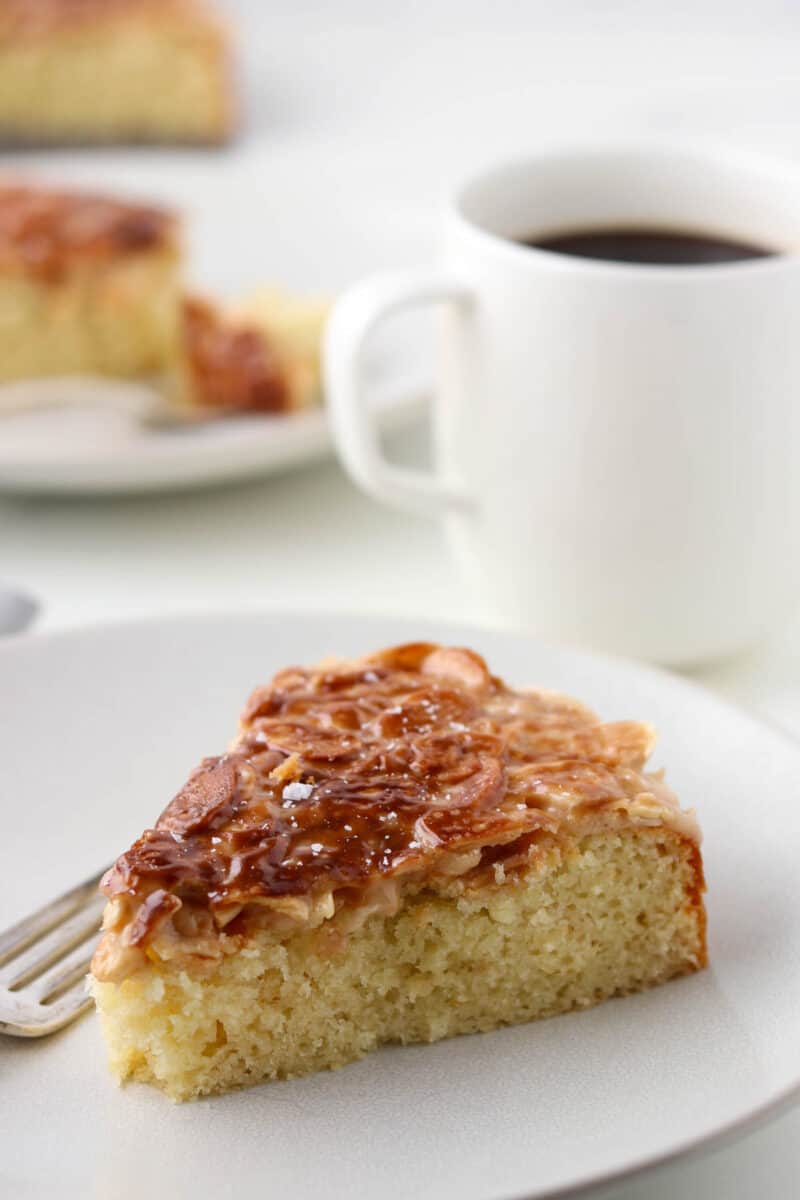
(357, 117)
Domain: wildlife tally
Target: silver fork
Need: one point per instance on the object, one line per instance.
(44, 960)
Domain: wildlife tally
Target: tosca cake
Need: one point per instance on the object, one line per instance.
(93, 285)
(395, 849)
(114, 71)
(88, 284)
(262, 356)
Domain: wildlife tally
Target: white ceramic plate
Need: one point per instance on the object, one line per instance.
(91, 448)
(98, 729)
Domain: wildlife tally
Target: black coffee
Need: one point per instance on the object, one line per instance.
(658, 247)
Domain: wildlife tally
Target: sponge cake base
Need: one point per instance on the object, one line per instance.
(609, 913)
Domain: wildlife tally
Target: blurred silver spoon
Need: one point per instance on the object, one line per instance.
(17, 610)
(140, 400)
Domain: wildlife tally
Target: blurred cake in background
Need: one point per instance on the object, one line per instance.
(295, 325)
(261, 356)
(91, 285)
(114, 71)
(88, 284)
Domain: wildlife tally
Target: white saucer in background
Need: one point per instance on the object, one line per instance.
(91, 447)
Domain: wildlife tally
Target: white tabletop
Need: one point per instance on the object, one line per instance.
(358, 116)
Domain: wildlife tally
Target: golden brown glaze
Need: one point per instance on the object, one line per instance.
(231, 365)
(351, 774)
(45, 232)
(38, 18)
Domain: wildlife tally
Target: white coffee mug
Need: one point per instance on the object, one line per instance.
(617, 445)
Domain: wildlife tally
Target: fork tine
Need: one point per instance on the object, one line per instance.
(41, 954)
(68, 1006)
(22, 1018)
(72, 969)
(21, 935)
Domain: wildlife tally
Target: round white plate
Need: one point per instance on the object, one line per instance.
(90, 448)
(99, 729)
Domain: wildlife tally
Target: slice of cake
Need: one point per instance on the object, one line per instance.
(261, 356)
(88, 284)
(395, 849)
(294, 324)
(114, 71)
(93, 285)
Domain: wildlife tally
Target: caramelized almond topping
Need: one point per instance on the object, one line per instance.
(232, 366)
(45, 232)
(35, 18)
(411, 763)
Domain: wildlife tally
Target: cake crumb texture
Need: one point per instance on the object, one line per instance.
(602, 915)
(75, 71)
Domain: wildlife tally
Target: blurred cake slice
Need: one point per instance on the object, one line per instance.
(294, 324)
(93, 285)
(113, 71)
(88, 284)
(260, 356)
(394, 849)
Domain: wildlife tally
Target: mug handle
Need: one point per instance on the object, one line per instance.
(355, 315)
